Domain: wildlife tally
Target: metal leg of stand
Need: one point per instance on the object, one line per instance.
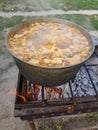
(32, 125)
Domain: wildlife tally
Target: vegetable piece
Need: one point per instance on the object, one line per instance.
(53, 41)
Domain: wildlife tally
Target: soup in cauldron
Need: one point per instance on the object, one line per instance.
(50, 44)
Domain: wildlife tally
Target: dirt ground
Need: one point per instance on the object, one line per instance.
(8, 81)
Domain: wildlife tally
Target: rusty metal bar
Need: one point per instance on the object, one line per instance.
(20, 82)
(42, 93)
(73, 98)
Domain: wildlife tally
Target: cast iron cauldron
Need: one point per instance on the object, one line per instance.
(48, 76)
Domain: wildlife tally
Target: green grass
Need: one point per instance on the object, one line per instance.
(73, 4)
(89, 22)
(9, 22)
(36, 5)
(5, 1)
(86, 21)
(80, 4)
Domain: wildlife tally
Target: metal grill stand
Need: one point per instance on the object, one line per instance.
(74, 103)
(82, 96)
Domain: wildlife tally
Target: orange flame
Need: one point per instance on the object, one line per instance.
(29, 94)
(17, 94)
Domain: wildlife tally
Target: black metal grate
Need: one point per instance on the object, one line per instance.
(78, 96)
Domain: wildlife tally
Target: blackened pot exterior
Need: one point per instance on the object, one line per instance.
(48, 76)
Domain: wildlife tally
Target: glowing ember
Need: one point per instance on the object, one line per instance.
(18, 95)
(36, 92)
(53, 93)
